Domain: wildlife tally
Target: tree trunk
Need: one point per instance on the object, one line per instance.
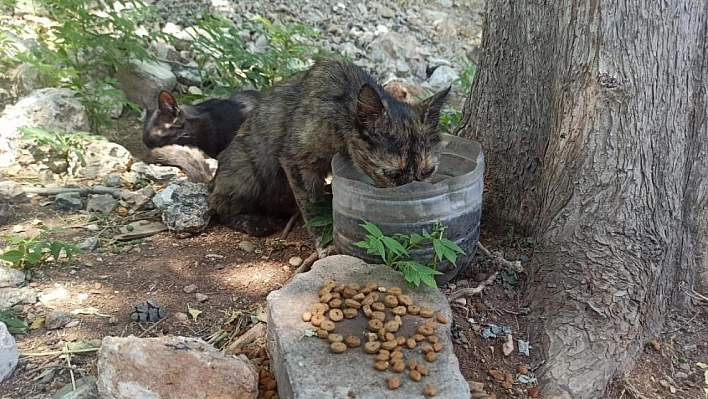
(592, 115)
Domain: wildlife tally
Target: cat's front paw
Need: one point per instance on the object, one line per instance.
(323, 252)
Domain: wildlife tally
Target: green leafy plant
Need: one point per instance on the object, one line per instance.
(466, 76)
(86, 42)
(226, 62)
(68, 145)
(394, 251)
(449, 119)
(14, 324)
(24, 251)
(322, 212)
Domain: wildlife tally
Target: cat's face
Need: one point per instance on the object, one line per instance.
(397, 143)
(165, 124)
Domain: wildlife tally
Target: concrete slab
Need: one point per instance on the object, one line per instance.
(304, 367)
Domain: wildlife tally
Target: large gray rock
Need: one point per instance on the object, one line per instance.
(171, 368)
(51, 108)
(85, 389)
(156, 173)
(11, 277)
(104, 157)
(12, 296)
(9, 354)
(305, 368)
(141, 81)
(184, 207)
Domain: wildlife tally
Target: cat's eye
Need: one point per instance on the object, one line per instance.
(426, 173)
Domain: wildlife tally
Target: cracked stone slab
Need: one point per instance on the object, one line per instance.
(304, 367)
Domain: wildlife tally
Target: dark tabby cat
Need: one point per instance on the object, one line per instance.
(209, 125)
(282, 154)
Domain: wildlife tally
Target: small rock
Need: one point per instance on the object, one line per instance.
(655, 345)
(53, 295)
(194, 90)
(113, 180)
(385, 12)
(12, 192)
(10, 277)
(56, 319)
(189, 77)
(201, 297)
(524, 258)
(181, 316)
(442, 78)
(247, 246)
(103, 157)
(7, 213)
(12, 296)
(189, 288)
(680, 375)
(85, 389)
(295, 261)
(151, 311)
(102, 203)
(140, 200)
(72, 323)
(68, 202)
(112, 321)
(184, 207)
(684, 366)
(95, 342)
(127, 370)
(88, 244)
(9, 353)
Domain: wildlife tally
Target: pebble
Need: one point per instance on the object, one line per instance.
(247, 246)
(201, 297)
(181, 316)
(71, 324)
(189, 288)
(112, 320)
(56, 319)
(385, 12)
(295, 261)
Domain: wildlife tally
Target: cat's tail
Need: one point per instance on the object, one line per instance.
(190, 160)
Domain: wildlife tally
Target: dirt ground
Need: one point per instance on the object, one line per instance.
(161, 266)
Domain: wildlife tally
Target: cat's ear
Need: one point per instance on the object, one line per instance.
(167, 102)
(369, 107)
(430, 107)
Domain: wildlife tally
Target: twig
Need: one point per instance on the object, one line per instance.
(473, 291)
(83, 191)
(289, 226)
(516, 265)
(305, 266)
(71, 370)
(152, 327)
(61, 352)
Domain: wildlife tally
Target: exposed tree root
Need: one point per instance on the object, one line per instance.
(499, 259)
(83, 191)
(473, 291)
(289, 226)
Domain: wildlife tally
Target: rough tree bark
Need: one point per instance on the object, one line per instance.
(592, 114)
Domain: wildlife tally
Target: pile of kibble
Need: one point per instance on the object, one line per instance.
(385, 308)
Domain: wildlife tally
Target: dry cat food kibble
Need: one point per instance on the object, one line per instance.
(381, 366)
(335, 338)
(388, 311)
(336, 315)
(352, 341)
(306, 317)
(337, 347)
